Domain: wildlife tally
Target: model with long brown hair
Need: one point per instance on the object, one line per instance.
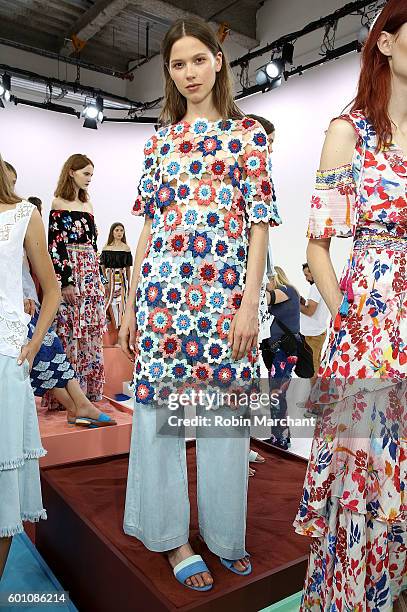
(116, 260)
(81, 317)
(20, 444)
(207, 199)
(354, 504)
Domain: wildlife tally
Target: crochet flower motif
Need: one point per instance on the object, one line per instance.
(192, 348)
(255, 163)
(173, 297)
(208, 273)
(165, 269)
(144, 392)
(173, 168)
(265, 188)
(158, 244)
(233, 225)
(220, 249)
(180, 370)
(218, 169)
(141, 317)
(170, 345)
(146, 269)
(178, 243)
(200, 126)
(186, 270)
(156, 370)
(204, 193)
(260, 212)
(166, 149)
(210, 145)
(245, 373)
(149, 343)
(200, 244)
(205, 326)
(195, 297)
(179, 129)
(216, 300)
(160, 320)
(185, 147)
(248, 124)
(214, 352)
(225, 196)
(164, 195)
(212, 219)
(229, 276)
(182, 323)
(224, 374)
(235, 146)
(223, 326)
(172, 218)
(260, 139)
(183, 191)
(150, 145)
(241, 253)
(153, 293)
(202, 371)
(196, 169)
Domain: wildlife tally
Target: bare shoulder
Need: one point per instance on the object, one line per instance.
(58, 204)
(127, 248)
(339, 145)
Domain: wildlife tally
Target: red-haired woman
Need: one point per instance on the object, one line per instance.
(72, 245)
(354, 499)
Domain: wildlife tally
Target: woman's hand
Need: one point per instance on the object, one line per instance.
(127, 335)
(28, 352)
(244, 331)
(68, 294)
(29, 307)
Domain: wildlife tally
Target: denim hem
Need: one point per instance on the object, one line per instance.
(226, 553)
(156, 545)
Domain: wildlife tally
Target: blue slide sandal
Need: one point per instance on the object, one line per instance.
(189, 567)
(228, 563)
(103, 420)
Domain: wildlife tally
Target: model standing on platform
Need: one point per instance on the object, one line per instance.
(207, 200)
(72, 245)
(20, 444)
(354, 499)
(116, 260)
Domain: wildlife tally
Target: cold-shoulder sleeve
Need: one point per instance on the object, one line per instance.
(59, 222)
(149, 182)
(333, 204)
(257, 186)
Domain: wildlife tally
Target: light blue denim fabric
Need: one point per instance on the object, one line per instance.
(157, 508)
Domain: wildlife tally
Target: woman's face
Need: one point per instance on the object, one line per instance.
(82, 177)
(193, 68)
(394, 46)
(118, 232)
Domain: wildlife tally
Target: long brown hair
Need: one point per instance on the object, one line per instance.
(7, 195)
(66, 185)
(374, 88)
(111, 237)
(175, 104)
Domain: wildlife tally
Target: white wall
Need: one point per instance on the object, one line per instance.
(38, 142)
(301, 110)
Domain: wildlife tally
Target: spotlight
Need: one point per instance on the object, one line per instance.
(5, 89)
(275, 68)
(93, 113)
(261, 77)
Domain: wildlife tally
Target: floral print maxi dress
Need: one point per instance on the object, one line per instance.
(204, 184)
(354, 499)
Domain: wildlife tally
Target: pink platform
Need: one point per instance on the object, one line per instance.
(68, 443)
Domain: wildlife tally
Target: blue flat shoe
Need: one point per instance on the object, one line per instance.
(228, 563)
(188, 568)
(103, 420)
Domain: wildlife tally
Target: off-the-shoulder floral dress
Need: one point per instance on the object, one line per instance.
(354, 498)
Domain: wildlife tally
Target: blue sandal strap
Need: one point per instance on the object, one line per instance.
(189, 567)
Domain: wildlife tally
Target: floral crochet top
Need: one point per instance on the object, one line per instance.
(65, 228)
(204, 184)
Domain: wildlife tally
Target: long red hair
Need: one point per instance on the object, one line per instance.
(374, 88)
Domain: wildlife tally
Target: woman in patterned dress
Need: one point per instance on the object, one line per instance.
(354, 500)
(72, 244)
(207, 200)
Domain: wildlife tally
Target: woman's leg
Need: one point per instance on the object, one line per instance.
(62, 396)
(157, 503)
(5, 544)
(83, 406)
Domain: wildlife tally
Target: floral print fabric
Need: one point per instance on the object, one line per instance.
(354, 499)
(204, 184)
